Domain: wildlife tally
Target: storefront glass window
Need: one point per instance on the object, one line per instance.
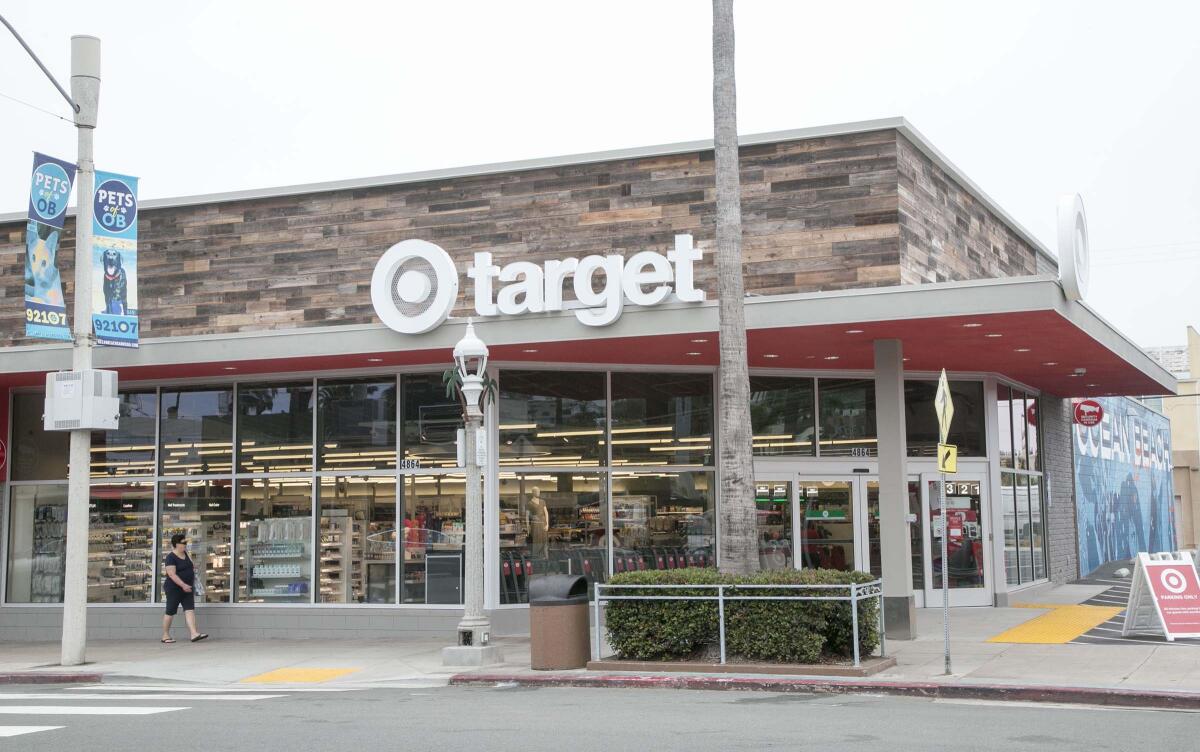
(1017, 409)
(275, 430)
(203, 512)
(551, 418)
(920, 418)
(37, 543)
(357, 539)
(781, 414)
(551, 523)
(1004, 412)
(773, 507)
(431, 421)
(847, 408)
(1032, 415)
(1024, 530)
(1036, 531)
(664, 520)
(129, 450)
(431, 538)
(37, 454)
(1008, 505)
(662, 419)
(356, 424)
(120, 543)
(275, 540)
(196, 431)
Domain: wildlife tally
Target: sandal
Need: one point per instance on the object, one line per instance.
(167, 640)
(199, 637)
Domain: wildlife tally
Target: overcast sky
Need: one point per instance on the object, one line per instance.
(1030, 99)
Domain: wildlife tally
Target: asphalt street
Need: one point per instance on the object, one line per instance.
(114, 717)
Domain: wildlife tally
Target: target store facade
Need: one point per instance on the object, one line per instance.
(286, 409)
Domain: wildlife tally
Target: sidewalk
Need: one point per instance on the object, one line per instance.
(1138, 667)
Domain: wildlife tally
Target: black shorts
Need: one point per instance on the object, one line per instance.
(176, 598)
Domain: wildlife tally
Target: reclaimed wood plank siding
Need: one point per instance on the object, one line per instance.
(818, 214)
(946, 234)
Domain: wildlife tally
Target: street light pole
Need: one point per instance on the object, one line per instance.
(85, 91)
(474, 631)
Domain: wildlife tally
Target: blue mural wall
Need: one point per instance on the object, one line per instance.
(1123, 495)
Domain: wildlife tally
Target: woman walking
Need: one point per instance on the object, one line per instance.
(181, 577)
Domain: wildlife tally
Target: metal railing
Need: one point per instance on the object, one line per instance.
(854, 594)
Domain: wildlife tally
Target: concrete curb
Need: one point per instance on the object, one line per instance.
(1160, 699)
(35, 677)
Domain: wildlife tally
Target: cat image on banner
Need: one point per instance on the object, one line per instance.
(114, 261)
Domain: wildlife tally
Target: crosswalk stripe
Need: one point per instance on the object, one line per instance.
(4, 696)
(19, 730)
(83, 710)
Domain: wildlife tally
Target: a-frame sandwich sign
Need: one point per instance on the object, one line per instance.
(1164, 596)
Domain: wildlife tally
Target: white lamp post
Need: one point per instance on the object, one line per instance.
(474, 646)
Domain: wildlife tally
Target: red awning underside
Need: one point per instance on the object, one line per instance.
(1038, 348)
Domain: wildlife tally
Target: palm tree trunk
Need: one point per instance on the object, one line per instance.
(738, 534)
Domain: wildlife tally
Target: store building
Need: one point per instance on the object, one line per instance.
(1183, 412)
(275, 412)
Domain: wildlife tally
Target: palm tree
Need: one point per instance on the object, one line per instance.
(739, 550)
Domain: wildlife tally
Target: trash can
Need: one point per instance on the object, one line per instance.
(558, 622)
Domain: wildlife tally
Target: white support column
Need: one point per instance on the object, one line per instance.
(895, 549)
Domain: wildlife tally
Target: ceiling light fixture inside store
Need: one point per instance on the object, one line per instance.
(770, 355)
(993, 335)
(854, 331)
(1021, 349)
(699, 341)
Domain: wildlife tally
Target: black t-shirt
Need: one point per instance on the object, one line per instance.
(183, 570)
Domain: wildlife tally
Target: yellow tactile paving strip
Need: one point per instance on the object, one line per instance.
(1060, 625)
(298, 675)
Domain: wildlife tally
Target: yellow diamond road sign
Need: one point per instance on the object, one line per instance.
(947, 458)
(944, 406)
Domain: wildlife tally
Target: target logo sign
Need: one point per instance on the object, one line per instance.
(414, 286)
(1173, 580)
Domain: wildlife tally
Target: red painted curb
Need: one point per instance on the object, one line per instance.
(1012, 692)
(33, 677)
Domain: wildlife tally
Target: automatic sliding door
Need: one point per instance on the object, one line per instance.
(826, 524)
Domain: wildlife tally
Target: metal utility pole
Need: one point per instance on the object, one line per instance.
(85, 90)
(85, 103)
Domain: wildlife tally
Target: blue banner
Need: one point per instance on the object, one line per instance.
(114, 260)
(49, 191)
(1123, 491)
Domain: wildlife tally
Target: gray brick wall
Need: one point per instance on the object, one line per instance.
(1058, 463)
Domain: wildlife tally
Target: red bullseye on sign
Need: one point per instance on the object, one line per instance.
(1173, 580)
(1088, 413)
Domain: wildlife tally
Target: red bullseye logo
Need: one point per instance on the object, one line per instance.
(1173, 580)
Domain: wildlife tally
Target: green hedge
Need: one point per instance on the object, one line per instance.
(778, 631)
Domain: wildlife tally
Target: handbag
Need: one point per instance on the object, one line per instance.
(197, 586)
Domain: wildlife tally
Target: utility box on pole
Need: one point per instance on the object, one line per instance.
(77, 400)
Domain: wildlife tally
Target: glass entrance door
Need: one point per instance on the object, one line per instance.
(774, 500)
(969, 574)
(826, 531)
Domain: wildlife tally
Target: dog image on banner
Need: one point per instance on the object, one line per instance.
(114, 261)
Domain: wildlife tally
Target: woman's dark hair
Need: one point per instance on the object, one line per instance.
(178, 538)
